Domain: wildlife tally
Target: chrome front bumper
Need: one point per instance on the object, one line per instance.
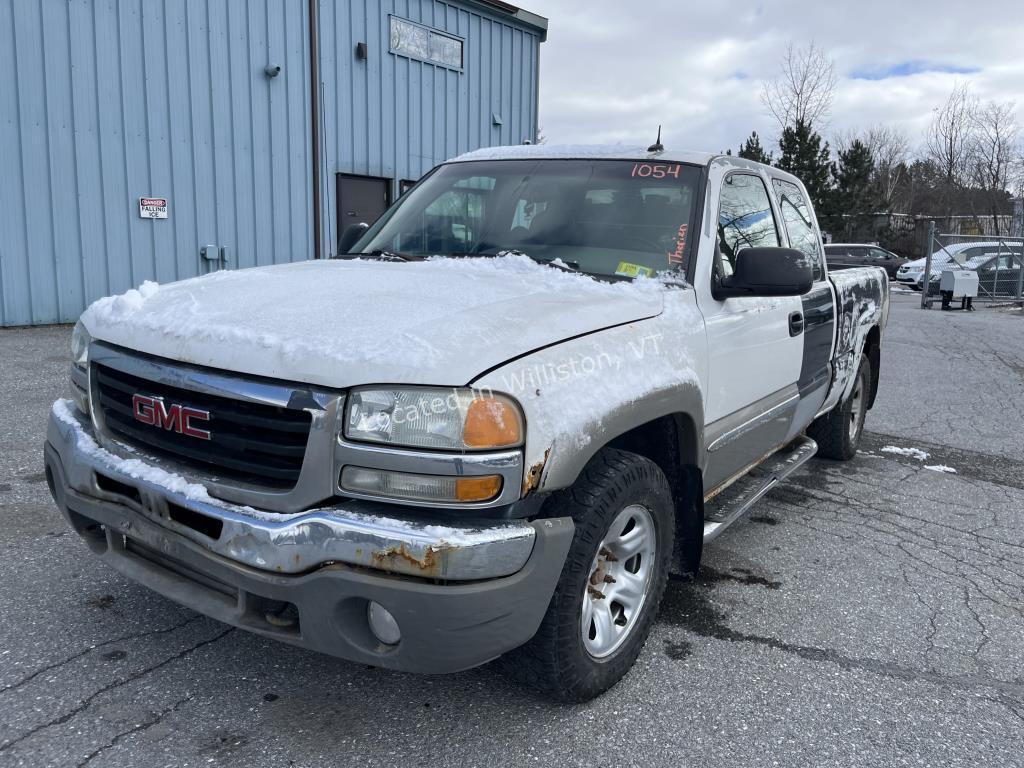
(364, 533)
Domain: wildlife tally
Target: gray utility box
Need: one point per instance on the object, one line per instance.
(962, 283)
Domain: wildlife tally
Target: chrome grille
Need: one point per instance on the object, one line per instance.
(252, 443)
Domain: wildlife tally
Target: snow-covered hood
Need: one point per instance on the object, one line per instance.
(346, 323)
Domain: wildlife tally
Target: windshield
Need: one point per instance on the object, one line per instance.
(610, 218)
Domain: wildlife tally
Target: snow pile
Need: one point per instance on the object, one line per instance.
(117, 307)
(914, 453)
(940, 468)
(344, 322)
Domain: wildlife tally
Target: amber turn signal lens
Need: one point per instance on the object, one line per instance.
(477, 488)
(491, 423)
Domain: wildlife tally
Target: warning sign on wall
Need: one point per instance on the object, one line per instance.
(153, 207)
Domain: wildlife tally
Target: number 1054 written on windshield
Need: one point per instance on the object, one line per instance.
(655, 170)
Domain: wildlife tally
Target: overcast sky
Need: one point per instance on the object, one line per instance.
(612, 70)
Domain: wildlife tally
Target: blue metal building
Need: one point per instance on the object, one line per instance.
(114, 113)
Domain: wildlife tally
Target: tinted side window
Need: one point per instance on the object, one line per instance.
(745, 219)
(799, 223)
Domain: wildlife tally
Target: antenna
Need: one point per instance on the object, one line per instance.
(657, 146)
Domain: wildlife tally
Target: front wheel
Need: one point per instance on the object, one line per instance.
(838, 432)
(614, 576)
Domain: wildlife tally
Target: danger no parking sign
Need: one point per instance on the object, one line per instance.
(153, 207)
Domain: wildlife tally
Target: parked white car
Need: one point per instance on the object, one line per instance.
(912, 272)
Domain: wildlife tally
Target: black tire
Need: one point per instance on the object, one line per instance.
(838, 432)
(556, 660)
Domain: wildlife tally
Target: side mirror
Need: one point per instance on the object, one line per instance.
(351, 236)
(767, 272)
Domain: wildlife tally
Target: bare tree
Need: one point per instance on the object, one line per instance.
(803, 89)
(948, 141)
(994, 152)
(890, 149)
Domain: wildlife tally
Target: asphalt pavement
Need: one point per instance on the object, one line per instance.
(867, 613)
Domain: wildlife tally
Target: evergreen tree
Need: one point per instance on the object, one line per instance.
(752, 150)
(852, 174)
(803, 155)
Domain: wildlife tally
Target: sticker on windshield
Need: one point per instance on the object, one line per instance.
(676, 256)
(625, 269)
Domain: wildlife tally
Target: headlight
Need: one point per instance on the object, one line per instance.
(447, 419)
(80, 345)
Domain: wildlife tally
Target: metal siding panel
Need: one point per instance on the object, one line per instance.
(243, 247)
(14, 282)
(134, 145)
(88, 170)
(158, 171)
(300, 156)
(259, 92)
(182, 212)
(201, 126)
(219, 89)
(35, 170)
(278, 134)
(66, 242)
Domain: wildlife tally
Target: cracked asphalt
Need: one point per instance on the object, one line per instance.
(865, 614)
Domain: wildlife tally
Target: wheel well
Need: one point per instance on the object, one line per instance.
(671, 443)
(873, 350)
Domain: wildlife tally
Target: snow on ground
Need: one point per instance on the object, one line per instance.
(940, 468)
(914, 453)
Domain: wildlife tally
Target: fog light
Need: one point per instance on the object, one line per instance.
(405, 485)
(383, 624)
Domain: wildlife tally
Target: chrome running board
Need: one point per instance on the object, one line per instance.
(734, 502)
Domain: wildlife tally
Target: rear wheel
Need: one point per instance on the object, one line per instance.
(838, 432)
(611, 584)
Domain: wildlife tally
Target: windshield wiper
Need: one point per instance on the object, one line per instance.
(567, 266)
(390, 255)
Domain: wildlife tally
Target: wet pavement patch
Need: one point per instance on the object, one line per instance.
(115, 655)
(735, 574)
(678, 650)
(765, 519)
(103, 601)
(987, 467)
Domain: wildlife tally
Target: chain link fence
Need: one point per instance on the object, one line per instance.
(998, 262)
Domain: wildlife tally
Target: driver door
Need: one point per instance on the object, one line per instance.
(755, 343)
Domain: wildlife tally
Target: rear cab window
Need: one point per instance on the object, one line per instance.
(803, 234)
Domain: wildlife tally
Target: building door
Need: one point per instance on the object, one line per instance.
(361, 199)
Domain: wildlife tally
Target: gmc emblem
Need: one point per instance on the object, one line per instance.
(176, 418)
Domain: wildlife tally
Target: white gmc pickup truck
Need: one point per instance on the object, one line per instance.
(534, 387)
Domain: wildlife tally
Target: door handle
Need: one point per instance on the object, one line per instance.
(796, 323)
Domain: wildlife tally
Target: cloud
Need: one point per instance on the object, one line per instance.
(613, 71)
